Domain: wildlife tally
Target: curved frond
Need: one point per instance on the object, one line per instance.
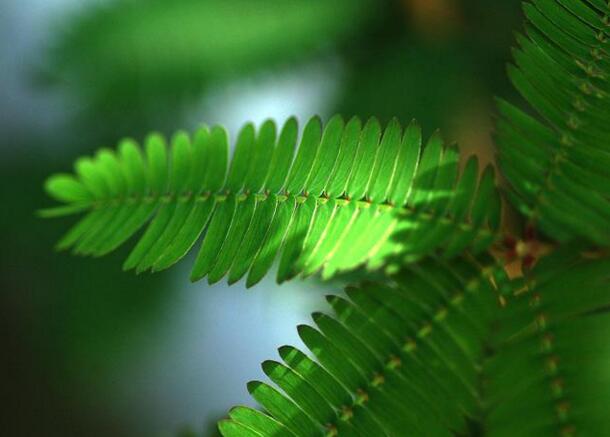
(397, 359)
(428, 353)
(352, 194)
(558, 168)
(551, 373)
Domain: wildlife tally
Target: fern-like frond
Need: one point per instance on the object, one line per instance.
(397, 359)
(428, 353)
(558, 168)
(551, 375)
(352, 194)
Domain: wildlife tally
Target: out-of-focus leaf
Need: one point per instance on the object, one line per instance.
(144, 58)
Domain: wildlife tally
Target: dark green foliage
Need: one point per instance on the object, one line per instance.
(552, 369)
(397, 359)
(117, 39)
(131, 60)
(429, 353)
(558, 168)
(353, 194)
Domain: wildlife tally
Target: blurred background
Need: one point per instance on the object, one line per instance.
(90, 351)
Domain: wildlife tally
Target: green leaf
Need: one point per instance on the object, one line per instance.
(283, 409)
(282, 156)
(312, 403)
(433, 350)
(364, 160)
(557, 164)
(67, 188)
(256, 422)
(551, 369)
(156, 153)
(305, 158)
(274, 239)
(399, 358)
(352, 196)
